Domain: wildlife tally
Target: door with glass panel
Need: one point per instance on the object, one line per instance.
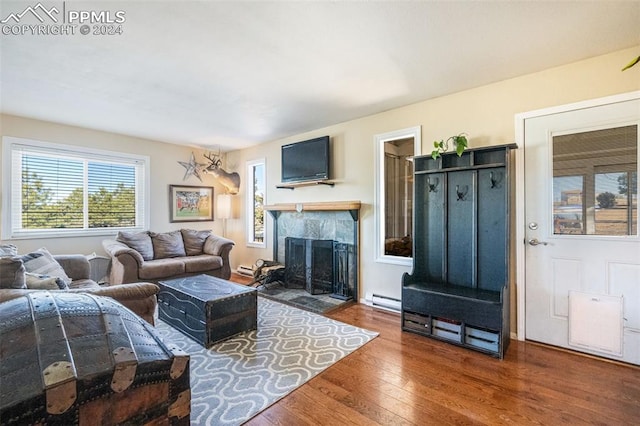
(582, 246)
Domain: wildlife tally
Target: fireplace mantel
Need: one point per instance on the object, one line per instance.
(351, 206)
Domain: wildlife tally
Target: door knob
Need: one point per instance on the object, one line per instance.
(535, 242)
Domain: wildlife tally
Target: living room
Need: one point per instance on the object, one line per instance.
(486, 112)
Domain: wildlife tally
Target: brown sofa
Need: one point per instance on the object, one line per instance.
(139, 297)
(149, 256)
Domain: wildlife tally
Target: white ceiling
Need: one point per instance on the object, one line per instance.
(235, 74)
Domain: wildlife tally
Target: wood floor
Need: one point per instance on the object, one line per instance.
(401, 378)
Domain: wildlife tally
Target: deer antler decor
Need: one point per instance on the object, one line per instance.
(231, 181)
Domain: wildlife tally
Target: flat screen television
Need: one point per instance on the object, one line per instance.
(306, 160)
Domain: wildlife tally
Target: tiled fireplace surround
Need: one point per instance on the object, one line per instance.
(337, 221)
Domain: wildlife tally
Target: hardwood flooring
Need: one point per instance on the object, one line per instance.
(401, 378)
(241, 279)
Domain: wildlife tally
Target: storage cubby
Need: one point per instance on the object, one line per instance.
(451, 161)
(458, 290)
(427, 163)
(489, 156)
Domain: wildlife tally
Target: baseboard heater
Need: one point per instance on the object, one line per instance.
(245, 270)
(387, 303)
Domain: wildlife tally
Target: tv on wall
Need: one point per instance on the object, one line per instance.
(306, 160)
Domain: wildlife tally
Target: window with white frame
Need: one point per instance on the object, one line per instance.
(256, 231)
(62, 190)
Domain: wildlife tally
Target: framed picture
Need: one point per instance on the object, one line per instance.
(190, 203)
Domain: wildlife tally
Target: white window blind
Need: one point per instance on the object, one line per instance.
(68, 190)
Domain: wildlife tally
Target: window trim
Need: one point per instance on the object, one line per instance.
(10, 143)
(379, 141)
(251, 164)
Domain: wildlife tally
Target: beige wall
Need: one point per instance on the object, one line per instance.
(486, 113)
(164, 171)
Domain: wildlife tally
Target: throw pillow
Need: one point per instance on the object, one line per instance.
(42, 262)
(194, 241)
(11, 272)
(168, 244)
(8, 250)
(44, 282)
(139, 241)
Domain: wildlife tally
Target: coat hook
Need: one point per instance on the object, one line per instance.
(433, 186)
(461, 194)
(495, 180)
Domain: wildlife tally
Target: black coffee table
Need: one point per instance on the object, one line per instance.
(206, 308)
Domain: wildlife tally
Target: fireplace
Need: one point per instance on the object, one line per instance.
(318, 244)
(309, 265)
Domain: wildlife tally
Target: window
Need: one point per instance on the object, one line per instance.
(595, 182)
(394, 194)
(255, 203)
(61, 190)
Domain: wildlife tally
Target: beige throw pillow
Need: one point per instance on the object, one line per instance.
(11, 272)
(8, 250)
(139, 241)
(44, 282)
(194, 241)
(42, 262)
(168, 244)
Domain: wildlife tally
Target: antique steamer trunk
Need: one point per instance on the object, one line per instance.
(206, 308)
(79, 359)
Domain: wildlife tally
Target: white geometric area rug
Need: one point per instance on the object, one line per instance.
(235, 379)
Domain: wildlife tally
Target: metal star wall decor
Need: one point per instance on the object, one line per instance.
(192, 168)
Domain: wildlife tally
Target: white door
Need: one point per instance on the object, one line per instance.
(582, 278)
